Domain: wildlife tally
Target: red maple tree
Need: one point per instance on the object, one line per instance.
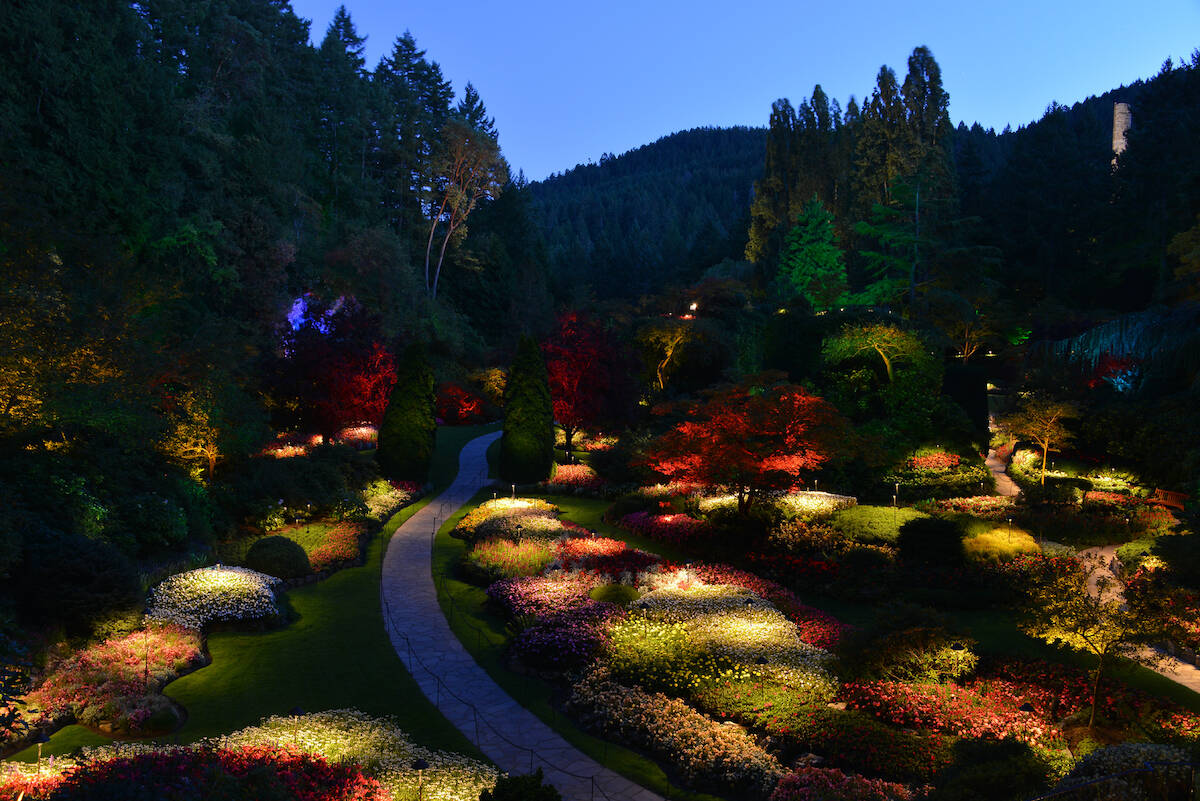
(589, 383)
(359, 387)
(751, 438)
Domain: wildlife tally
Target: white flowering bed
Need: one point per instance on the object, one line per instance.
(199, 597)
(793, 504)
(380, 747)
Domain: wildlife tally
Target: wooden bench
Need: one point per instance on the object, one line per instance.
(1174, 500)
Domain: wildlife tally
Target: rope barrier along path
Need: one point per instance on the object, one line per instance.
(508, 734)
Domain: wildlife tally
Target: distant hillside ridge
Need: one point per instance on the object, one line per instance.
(658, 215)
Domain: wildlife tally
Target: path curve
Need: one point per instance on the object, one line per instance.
(510, 735)
(1164, 664)
(1005, 486)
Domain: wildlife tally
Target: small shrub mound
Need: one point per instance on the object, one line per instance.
(931, 540)
(279, 557)
(619, 594)
(530, 787)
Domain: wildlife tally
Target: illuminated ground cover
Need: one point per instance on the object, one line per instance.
(335, 654)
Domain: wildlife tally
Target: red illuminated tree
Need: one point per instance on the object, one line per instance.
(589, 383)
(360, 385)
(752, 438)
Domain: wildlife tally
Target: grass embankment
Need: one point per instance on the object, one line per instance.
(334, 654)
(485, 635)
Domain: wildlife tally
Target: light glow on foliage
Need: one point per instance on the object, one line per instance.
(199, 597)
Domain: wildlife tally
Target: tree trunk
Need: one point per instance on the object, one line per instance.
(1045, 456)
(1096, 692)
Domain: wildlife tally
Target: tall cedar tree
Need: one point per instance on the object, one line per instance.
(750, 438)
(408, 432)
(527, 447)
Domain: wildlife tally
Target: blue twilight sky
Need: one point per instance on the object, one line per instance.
(568, 81)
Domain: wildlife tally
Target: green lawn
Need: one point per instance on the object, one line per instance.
(334, 654)
(485, 634)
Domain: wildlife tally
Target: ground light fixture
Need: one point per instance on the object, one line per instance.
(297, 713)
(41, 740)
(420, 766)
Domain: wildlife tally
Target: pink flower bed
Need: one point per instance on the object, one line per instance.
(672, 528)
(117, 681)
(830, 784)
(951, 709)
(569, 639)
(542, 597)
(576, 476)
(815, 627)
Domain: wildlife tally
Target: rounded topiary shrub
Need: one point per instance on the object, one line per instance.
(619, 594)
(931, 540)
(279, 557)
(530, 787)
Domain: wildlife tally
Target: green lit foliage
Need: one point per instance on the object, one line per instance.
(408, 431)
(527, 446)
(1042, 421)
(1074, 604)
(811, 264)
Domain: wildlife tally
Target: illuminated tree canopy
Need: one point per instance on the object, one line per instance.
(752, 437)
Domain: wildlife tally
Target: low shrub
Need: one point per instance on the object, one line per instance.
(999, 545)
(854, 740)
(1181, 553)
(279, 557)
(931, 540)
(71, 580)
(1138, 554)
(997, 770)
(529, 787)
(874, 524)
(618, 594)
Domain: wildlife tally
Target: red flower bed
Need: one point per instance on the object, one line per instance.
(952, 709)
(793, 568)
(603, 555)
(815, 627)
(578, 476)
(186, 774)
(937, 460)
(340, 545)
(674, 529)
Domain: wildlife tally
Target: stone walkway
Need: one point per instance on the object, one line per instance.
(511, 736)
(1004, 484)
(1174, 669)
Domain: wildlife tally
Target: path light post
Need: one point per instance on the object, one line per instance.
(297, 713)
(41, 740)
(420, 765)
(762, 689)
(514, 492)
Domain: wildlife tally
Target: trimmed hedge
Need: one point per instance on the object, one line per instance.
(527, 445)
(409, 430)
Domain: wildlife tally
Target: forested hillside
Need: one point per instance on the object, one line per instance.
(1035, 224)
(654, 216)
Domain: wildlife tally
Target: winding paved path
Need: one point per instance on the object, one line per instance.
(511, 736)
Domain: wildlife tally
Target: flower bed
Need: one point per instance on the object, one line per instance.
(542, 597)
(830, 784)
(199, 597)
(987, 507)
(341, 544)
(116, 683)
(574, 476)
(951, 709)
(496, 559)
(673, 528)
(380, 747)
(814, 626)
(187, 774)
(504, 514)
(567, 640)
(384, 498)
(704, 751)
(612, 558)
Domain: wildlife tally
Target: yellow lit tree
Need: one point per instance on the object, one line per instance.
(1041, 421)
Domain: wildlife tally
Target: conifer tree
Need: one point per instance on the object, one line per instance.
(527, 447)
(408, 431)
(811, 264)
